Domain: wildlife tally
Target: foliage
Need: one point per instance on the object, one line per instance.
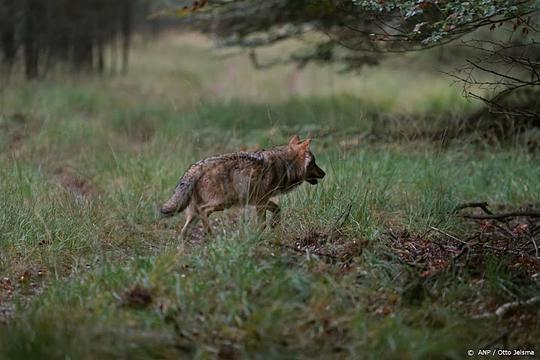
(357, 24)
(437, 21)
(359, 32)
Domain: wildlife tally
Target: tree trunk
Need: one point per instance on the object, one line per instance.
(100, 57)
(82, 52)
(31, 43)
(126, 33)
(7, 27)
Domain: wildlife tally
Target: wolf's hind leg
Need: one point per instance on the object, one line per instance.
(191, 219)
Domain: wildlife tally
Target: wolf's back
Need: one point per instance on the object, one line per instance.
(182, 193)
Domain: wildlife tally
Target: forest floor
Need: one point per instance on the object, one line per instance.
(383, 259)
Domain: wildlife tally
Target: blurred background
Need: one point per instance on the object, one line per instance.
(487, 53)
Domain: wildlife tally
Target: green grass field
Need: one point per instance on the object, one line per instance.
(355, 269)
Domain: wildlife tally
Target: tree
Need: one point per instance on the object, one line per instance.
(7, 31)
(42, 33)
(359, 32)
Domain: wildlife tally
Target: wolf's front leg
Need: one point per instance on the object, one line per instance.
(276, 213)
(261, 216)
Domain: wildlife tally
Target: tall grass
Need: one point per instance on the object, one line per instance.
(85, 163)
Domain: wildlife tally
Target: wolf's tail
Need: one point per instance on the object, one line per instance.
(182, 193)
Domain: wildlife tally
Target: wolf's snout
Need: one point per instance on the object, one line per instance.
(319, 173)
(314, 175)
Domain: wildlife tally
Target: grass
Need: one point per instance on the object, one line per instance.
(88, 271)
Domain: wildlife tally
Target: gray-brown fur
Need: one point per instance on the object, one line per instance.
(243, 178)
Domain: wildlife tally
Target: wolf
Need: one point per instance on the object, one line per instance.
(242, 178)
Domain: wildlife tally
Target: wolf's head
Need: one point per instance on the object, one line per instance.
(312, 172)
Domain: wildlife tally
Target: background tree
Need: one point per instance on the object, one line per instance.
(41, 34)
(502, 33)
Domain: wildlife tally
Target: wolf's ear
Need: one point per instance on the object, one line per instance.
(304, 146)
(294, 141)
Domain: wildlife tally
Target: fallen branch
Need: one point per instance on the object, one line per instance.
(448, 235)
(533, 214)
(489, 215)
(304, 251)
(458, 255)
(505, 308)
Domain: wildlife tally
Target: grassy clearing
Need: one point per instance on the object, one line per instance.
(88, 271)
